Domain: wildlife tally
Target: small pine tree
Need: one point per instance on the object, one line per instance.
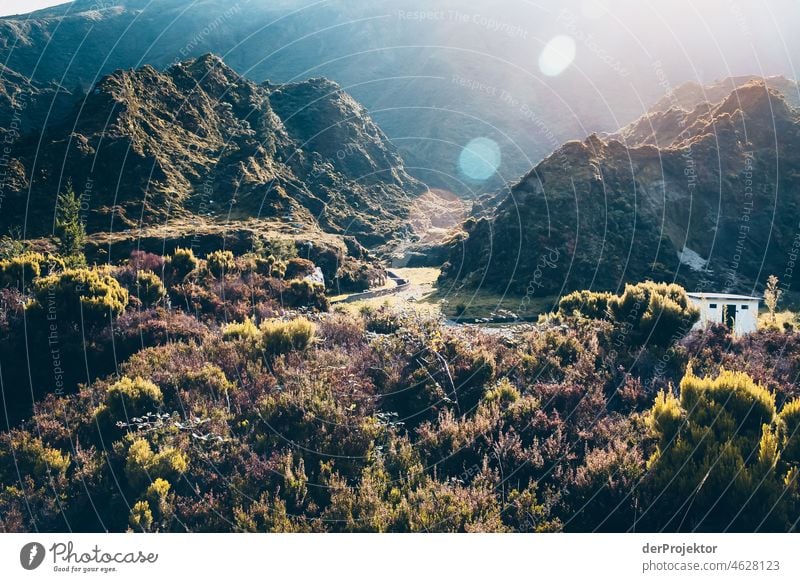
(772, 295)
(70, 229)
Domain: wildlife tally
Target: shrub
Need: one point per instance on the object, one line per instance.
(70, 230)
(355, 276)
(209, 378)
(382, 320)
(220, 263)
(297, 268)
(127, 398)
(157, 490)
(245, 330)
(141, 516)
(654, 313)
(149, 288)
(657, 313)
(281, 248)
(144, 261)
(790, 424)
(280, 337)
(591, 304)
(181, 263)
(29, 455)
(13, 244)
(269, 267)
(504, 393)
(303, 293)
(81, 294)
(718, 449)
(273, 267)
(21, 270)
(143, 466)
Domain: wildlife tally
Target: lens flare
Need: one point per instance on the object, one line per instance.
(557, 55)
(480, 159)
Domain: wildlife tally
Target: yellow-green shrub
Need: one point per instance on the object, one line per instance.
(143, 466)
(149, 288)
(790, 425)
(81, 294)
(21, 270)
(32, 456)
(591, 304)
(220, 262)
(141, 516)
(280, 337)
(208, 378)
(182, 262)
(127, 398)
(717, 445)
(504, 392)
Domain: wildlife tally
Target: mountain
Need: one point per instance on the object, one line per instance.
(434, 75)
(689, 95)
(199, 142)
(674, 114)
(714, 205)
(27, 106)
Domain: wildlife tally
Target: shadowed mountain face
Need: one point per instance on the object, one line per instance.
(714, 206)
(146, 147)
(435, 75)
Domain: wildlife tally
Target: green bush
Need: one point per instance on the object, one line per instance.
(141, 516)
(181, 263)
(30, 456)
(70, 230)
(143, 466)
(246, 330)
(657, 313)
(790, 425)
(209, 378)
(505, 393)
(718, 448)
(280, 337)
(220, 263)
(646, 313)
(591, 304)
(304, 293)
(149, 288)
(21, 270)
(127, 398)
(81, 294)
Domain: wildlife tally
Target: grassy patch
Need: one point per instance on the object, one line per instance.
(781, 319)
(483, 304)
(420, 276)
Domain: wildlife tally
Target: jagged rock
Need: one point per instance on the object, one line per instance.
(723, 182)
(146, 147)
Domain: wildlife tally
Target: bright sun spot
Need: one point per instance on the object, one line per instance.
(480, 159)
(557, 55)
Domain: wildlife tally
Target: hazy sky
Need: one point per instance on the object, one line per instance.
(22, 6)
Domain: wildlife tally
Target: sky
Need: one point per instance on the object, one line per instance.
(22, 6)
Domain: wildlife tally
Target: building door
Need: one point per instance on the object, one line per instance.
(729, 317)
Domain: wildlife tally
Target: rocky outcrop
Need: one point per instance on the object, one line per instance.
(707, 197)
(145, 147)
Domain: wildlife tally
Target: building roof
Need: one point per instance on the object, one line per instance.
(723, 297)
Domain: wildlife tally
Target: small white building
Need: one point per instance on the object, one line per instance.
(738, 312)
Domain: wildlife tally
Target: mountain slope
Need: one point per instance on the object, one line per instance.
(434, 75)
(146, 147)
(716, 205)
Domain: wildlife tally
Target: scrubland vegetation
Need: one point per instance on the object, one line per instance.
(222, 393)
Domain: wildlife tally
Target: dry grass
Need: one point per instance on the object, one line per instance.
(781, 318)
